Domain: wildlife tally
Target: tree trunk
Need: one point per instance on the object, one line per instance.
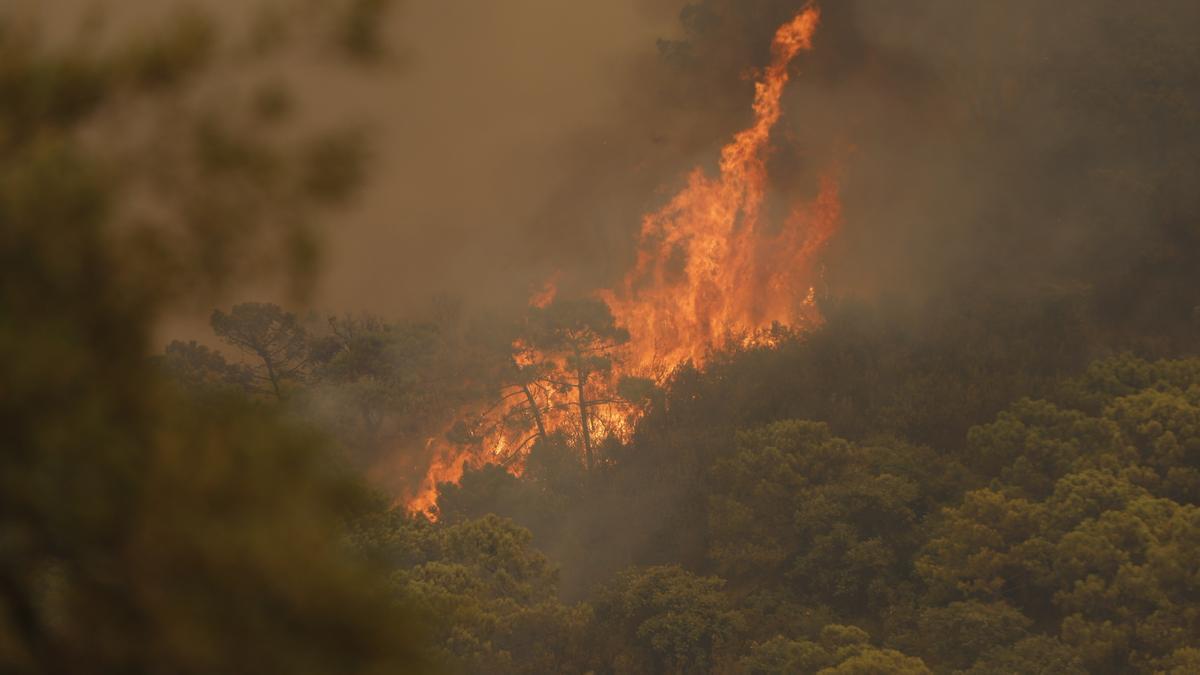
(271, 376)
(533, 405)
(584, 426)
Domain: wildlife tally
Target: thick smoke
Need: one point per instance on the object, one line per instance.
(1003, 147)
(996, 148)
(1014, 153)
(1014, 149)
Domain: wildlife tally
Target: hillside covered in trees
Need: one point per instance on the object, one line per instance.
(978, 451)
(1014, 510)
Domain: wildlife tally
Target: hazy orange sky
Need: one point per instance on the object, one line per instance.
(473, 130)
(471, 116)
(514, 137)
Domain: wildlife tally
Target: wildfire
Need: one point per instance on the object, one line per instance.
(447, 466)
(709, 270)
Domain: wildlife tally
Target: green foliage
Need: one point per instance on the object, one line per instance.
(1089, 555)
(1057, 536)
(1033, 444)
(962, 631)
(144, 528)
(840, 649)
(373, 382)
(779, 656)
(953, 490)
(200, 369)
(872, 661)
(480, 491)
(1182, 661)
(664, 620)
(275, 339)
(799, 505)
(1037, 655)
(490, 600)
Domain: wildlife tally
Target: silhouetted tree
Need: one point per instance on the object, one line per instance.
(273, 337)
(583, 335)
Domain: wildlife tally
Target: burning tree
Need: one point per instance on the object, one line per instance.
(711, 272)
(553, 371)
(579, 337)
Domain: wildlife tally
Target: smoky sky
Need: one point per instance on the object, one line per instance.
(1005, 147)
(995, 145)
(475, 134)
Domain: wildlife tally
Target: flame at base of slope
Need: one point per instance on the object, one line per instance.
(711, 272)
(497, 440)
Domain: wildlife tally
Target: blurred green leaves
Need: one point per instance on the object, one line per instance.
(144, 528)
(168, 57)
(359, 32)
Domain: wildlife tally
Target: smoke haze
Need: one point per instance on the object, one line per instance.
(978, 144)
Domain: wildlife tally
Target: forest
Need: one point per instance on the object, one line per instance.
(953, 426)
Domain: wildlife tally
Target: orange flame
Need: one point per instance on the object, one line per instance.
(708, 270)
(546, 294)
(446, 467)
